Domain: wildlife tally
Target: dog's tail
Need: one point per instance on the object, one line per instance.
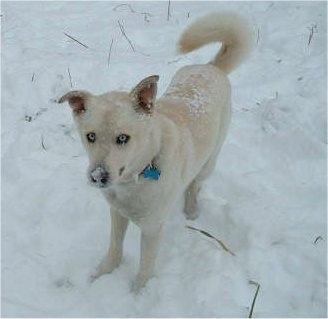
(229, 29)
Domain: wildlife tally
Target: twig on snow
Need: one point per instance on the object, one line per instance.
(110, 52)
(313, 30)
(220, 242)
(168, 10)
(145, 14)
(250, 315)
(79, 42)
(70, 77)
(258, 36)
(42, 143)
(317, 239)
(33, 77)
(126, 37)
(28, 118)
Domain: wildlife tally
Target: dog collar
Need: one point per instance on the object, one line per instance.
(151, 172)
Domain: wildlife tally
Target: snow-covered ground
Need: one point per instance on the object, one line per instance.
(266, 199)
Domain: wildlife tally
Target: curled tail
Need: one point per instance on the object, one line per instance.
(229, 29)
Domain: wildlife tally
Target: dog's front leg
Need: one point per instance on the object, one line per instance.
(148, 254)
(114, 256)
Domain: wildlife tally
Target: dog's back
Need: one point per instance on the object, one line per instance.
(198, 96)
(197, 100)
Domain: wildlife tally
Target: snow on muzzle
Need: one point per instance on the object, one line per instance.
(99, 177)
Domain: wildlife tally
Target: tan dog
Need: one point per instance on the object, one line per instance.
(145, 153)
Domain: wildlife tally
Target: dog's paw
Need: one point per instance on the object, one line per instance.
(106, 266)
(137, 286)
(94, 276)
(139, 283)
(191, 209)
(191, 215)
(63, 282)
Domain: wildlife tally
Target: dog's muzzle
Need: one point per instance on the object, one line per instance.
(99, 177)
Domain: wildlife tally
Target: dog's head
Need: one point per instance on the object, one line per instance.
(118, 130)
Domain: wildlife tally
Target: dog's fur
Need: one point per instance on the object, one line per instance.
(180, 134)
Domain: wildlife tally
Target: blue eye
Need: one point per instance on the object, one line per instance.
(91, 137)
(122, 139)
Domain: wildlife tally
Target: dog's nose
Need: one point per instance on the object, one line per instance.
(99, 176)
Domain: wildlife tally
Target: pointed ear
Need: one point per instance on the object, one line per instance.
(144, 95)
(77, 100)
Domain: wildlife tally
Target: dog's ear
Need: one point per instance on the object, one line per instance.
(77, 100)
(144, 95)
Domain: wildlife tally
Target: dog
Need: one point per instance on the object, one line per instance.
(147, 153)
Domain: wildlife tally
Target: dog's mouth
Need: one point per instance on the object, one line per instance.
(99, 177)
(128, 178)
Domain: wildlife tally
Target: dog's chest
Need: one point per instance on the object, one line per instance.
(136, 202)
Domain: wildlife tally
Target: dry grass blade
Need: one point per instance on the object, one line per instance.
(145, 14)
(250, 315)
(69, 36)
(258, 36)
(42, 143)
(168, 11)
(126, 37)
(70, 77)
(317, 239)
(313, 30)
(110, 52)
(223, 246)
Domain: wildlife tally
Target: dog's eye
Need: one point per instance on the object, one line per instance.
(91, 137)
(122, 139)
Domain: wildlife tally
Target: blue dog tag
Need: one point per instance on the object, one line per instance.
(152, 173)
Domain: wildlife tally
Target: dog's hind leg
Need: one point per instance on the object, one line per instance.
(190, 207)
(114, 256)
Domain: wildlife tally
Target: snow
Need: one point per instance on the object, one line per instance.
(194, 97)
(266, 199)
